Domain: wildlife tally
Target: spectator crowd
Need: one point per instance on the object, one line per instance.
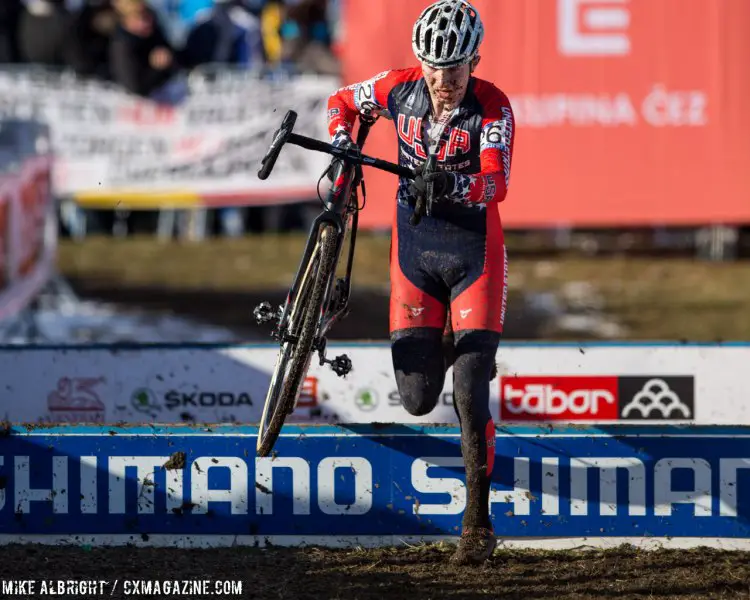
(147, 46)
(141, 45)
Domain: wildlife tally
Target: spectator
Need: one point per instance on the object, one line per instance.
(10, 12)
(93, 29)
(189, 9)
(271, 19)
(228, 33)
(308, 19)
(307, 38)
(141, 58)
(44, 33)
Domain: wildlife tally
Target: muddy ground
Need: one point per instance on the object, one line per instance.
(409, 573)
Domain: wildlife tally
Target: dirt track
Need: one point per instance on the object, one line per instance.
(412, 573)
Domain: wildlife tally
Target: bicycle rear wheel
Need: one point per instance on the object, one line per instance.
(296, 350)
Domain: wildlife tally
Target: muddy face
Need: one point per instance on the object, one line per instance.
(447, 86)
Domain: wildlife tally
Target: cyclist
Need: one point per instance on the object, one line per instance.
(448, 274)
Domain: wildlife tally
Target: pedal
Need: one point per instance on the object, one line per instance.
(264, 313)
(341, 365)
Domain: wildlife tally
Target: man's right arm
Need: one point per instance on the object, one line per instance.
(345, 104)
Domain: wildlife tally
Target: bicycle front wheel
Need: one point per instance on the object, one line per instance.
(295, 354)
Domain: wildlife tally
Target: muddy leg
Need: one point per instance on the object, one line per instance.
(475, 357)
(420, 368)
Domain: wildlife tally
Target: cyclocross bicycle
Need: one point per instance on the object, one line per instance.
(317, 298)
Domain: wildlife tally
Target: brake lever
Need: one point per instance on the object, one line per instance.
(430, 165)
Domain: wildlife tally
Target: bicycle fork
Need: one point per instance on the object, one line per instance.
(335, 305)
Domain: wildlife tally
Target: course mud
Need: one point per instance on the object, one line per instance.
(407, 572)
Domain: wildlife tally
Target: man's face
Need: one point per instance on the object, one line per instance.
(448, 86)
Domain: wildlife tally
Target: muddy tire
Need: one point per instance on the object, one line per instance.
(304, 319)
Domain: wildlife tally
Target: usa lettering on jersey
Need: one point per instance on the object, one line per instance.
(459, 140)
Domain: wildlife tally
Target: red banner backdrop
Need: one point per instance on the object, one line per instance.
(628, 112)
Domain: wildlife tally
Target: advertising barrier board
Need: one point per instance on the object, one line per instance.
(116, 148)
(358, 484)
(644, 77)
(549, 383)
(28, 233)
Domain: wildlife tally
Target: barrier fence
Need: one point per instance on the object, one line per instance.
(549, 383)
(597, 444)
(116, 149)
(364, 486)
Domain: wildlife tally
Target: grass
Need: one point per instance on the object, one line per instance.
(654, 298)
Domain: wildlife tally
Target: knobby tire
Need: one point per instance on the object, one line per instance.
(303, 349)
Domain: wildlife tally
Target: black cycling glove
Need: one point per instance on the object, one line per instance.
(343, 141)
(443, 183)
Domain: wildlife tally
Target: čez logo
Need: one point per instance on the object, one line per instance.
(593, 27)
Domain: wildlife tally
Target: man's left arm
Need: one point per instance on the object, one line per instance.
(491, 184)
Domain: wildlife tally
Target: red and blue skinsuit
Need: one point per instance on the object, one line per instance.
(454, 259)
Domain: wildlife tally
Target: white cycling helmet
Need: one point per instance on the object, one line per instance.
(447, 34)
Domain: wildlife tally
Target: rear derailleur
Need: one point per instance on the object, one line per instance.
(341, 365)
(264, 313)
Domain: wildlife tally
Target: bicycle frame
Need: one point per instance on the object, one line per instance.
(341, 211)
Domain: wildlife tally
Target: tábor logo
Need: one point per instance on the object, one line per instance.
(657, 398)
(558, 398)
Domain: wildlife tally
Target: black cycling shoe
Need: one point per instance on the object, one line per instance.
(475, 546)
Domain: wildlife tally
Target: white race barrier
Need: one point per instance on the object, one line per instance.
(588, 383)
